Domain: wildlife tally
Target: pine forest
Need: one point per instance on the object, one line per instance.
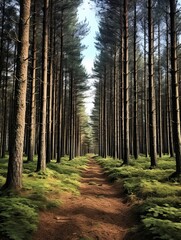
(115, 173)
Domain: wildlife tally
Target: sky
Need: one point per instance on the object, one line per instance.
(87, 11)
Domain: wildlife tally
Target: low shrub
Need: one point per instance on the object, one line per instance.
(159, 198)
(18, 218)
(41, 191)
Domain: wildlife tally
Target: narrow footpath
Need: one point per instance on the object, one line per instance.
(99, 213)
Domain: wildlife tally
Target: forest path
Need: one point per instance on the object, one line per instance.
(99, 213)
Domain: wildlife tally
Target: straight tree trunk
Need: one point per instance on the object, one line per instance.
(71, 110)
(60, 93)
(152, 105)
(160, 127)
(14, 175)
(5, 113)
(105, 115)
(145, 94)
(135, 127)
(175, 88)
(121, 98)
(2, 60)
(115, 153)
(126, 87)
(2, 39)
(169, 114)
(31, 147)
(41, 164)
(50, 87)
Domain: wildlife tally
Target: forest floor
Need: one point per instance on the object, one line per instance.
(100, 212)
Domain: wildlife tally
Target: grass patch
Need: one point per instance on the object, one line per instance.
(41, 191)
(19, 218)
(159, 198)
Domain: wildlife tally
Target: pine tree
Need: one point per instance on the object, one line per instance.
(14, 175)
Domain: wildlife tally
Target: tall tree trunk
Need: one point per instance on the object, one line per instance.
(152, 105)
(5, 113)
(160, 127)
(100, 120)
(60, 93)
(169, 114)
(14, 175)
(2, 39)
(2, 61)
(105, 115)
(50, 87)
(126, 87)
(115, 130)
(41, 164)
(121, 98)
(145, 93)
(71, 111)
(31, 147)
(175, 88)
(135, 128)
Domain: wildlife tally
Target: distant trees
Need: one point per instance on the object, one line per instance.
(46, 96)
(42, 88)
(143, 80)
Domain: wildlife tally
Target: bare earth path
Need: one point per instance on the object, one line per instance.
(99, 213)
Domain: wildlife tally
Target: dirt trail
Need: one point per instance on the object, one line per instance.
(99, 213)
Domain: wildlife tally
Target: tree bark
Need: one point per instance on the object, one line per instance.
(135, 128)
(41, 164)
(14, 175)
(175, 88)
(31, 147)
(60, 92)
(152, 105)
(126, 87)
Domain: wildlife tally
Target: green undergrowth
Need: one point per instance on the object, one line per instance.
(157, 199)
(41, 191)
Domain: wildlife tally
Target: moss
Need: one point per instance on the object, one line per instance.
(41, 191)
(18, 218)
(159, 198)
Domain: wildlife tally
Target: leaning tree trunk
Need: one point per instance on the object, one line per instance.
(14, 175)
(175, 88)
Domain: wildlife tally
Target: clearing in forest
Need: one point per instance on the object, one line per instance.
(99, 213)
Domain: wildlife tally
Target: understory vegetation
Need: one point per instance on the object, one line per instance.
(157, 198)
(41, 191)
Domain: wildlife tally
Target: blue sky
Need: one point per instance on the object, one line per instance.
(87, 11)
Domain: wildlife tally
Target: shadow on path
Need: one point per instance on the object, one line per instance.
(99, 213)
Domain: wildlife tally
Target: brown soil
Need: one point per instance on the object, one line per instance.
(99, 213)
